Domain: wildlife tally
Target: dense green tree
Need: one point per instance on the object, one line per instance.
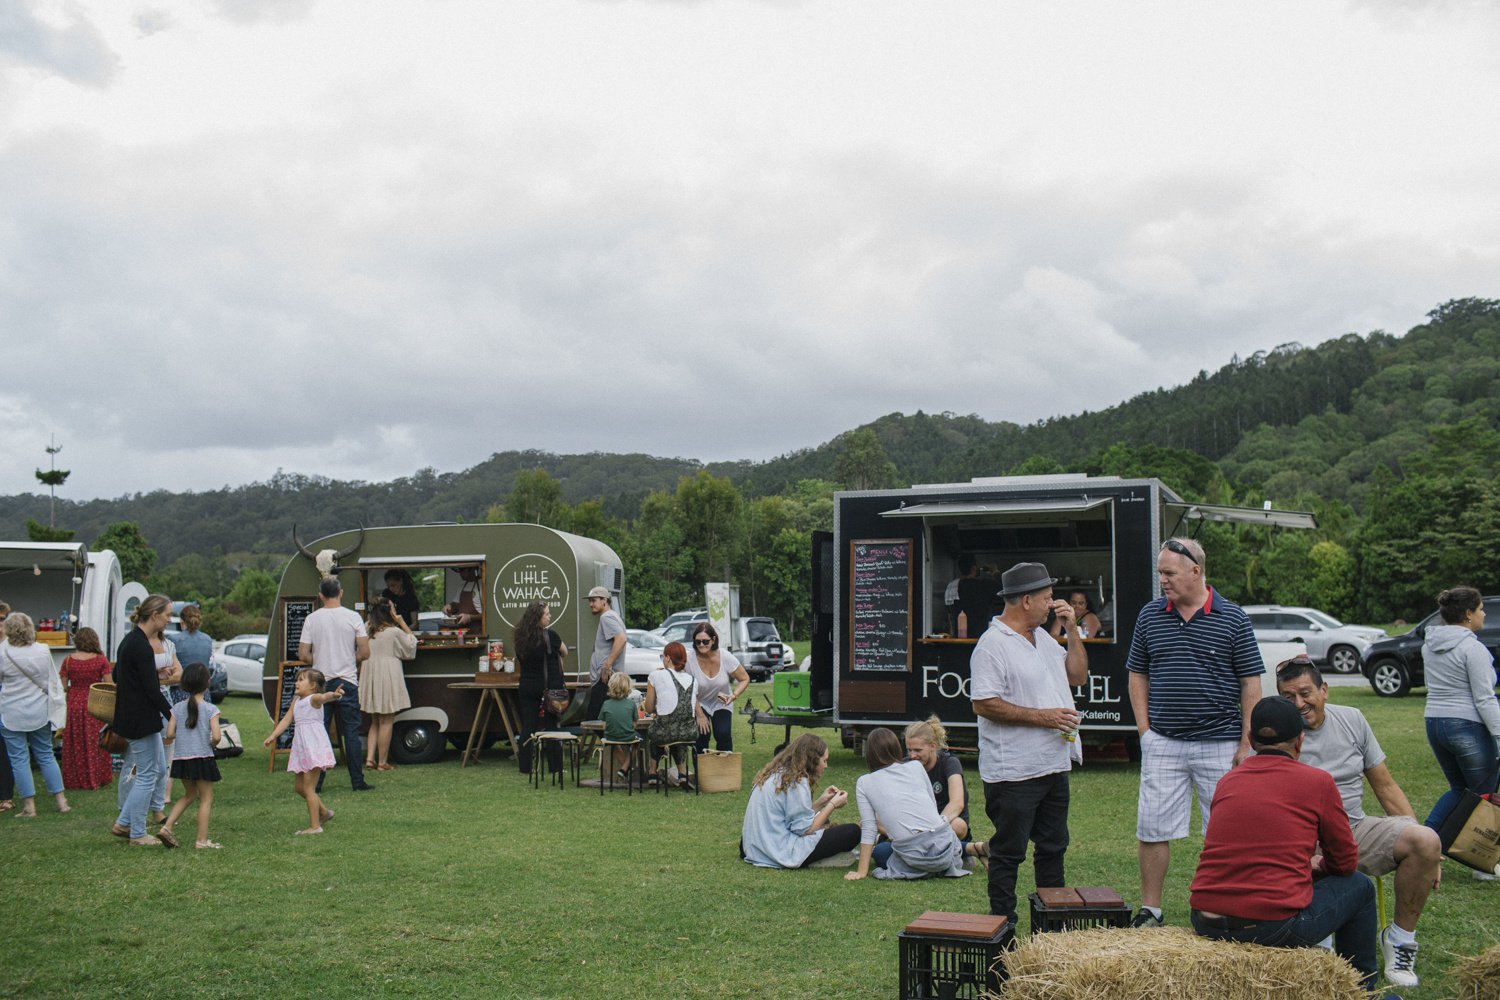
(708, 511)
(36, 531)
(537, 498)
(253, 593)
(862, 463)
(124, 539)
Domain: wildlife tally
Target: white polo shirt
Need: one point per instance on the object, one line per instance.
(1004, 665)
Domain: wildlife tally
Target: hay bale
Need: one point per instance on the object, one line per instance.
(1478, 977)
(1171, 963)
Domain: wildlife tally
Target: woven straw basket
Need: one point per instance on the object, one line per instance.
(718, 771)
(102, 702)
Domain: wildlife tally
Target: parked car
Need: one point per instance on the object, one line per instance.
(244, 661)
(678, 617)
(1394, 665)
(642, 651)
(1331, 643)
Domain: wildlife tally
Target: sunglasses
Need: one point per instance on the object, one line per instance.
(1173, 545)
(703, 642)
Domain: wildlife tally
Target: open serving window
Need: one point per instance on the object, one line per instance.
(1073, 536)
(443, 598)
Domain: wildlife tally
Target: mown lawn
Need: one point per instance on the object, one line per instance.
(470, 883)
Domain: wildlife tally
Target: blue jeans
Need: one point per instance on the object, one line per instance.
(145, 757)
(880, 854)
(1342, 905)
(1466, 752)
(346, 710)
(722, 726)
(38, 742)
(158, 789)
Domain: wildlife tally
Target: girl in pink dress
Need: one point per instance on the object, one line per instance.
(312, 754)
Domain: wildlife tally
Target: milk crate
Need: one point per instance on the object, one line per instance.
(1070, 909)
(953, 956)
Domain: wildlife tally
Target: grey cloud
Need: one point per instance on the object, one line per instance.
(153, 20)
(76, 51)
(269, 11)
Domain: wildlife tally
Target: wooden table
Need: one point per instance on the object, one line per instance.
(492, 701)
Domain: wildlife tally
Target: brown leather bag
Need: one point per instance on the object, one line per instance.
(112, 742)
(555, 701)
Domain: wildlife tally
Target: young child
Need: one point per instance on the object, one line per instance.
(618, 716)
(192, 733)
(312, 754)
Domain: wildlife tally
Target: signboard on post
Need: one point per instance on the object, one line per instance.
(720, 614)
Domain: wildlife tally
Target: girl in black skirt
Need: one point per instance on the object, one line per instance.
(192, 734)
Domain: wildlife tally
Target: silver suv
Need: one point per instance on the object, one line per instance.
(1339, 647)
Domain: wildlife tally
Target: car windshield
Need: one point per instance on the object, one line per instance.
(761, 631)
(645, 640)
(1327, 621)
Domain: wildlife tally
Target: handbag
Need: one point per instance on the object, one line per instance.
(229, 744)
(555, 701)
(112, 742)
(1471, 833)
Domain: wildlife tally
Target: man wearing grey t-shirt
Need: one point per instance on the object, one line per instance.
(609, 646)
(1028, 730)
(1339, 740)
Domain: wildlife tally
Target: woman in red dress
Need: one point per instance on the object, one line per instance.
(84, 765)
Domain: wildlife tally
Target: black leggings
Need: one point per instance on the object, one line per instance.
(835, 840)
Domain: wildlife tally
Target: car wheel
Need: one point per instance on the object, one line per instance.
(418, 742)
(1390, 679)
(1344, 660)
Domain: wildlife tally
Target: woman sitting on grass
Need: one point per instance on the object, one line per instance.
(927, 742)
(896, 797)
(784, 826)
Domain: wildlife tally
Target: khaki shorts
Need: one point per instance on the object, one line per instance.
(1375, 836)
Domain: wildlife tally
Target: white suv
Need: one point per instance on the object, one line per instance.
(1329, 641)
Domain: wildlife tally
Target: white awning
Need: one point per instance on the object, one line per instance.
(973, 508)
(393, 562)
(43, 555)
(1242, 515)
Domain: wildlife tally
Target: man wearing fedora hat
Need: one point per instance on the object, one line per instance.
(1260, 877)
(1194, 671)
(1021, 684)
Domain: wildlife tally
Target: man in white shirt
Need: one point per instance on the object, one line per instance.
(335, 641)
(1339, 740)
(1021, 685)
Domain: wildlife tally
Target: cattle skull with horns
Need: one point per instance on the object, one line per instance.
(327, 560)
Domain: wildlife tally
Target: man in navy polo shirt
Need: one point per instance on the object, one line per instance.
(1194, 678)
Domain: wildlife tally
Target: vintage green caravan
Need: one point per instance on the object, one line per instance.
(512, 565)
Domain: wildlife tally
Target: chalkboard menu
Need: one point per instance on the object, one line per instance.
(284, 696)
(880, 604)
(294, 611)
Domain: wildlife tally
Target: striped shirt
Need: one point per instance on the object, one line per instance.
(1194, 667)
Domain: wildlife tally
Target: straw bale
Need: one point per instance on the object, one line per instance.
(1478, 977)
(1171, 963)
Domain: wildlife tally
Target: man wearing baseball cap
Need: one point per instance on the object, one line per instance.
(1260, 878)
(609, 646)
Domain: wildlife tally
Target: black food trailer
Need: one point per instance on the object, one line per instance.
(885, 651)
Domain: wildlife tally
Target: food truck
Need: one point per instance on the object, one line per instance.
(507, 566)
(63, 587)
(884, 650)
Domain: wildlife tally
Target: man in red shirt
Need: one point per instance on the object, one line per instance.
(1259, 877)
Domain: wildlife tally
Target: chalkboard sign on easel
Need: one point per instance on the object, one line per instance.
(294, 611)
(285, 693)
(880, 604)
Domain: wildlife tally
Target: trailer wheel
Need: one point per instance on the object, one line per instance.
(417, 742)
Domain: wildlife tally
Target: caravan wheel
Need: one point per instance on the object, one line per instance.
(417, 742)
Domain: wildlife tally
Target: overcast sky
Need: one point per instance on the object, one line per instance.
(356, 238)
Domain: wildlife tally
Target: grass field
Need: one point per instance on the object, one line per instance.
(470, 883)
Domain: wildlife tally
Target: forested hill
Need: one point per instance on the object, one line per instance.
(1281, 424)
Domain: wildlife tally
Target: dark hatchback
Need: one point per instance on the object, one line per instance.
(1393, 665)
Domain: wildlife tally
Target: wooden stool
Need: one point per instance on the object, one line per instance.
(688, 771)
(569, 744)
(637, 767)
(953, 955)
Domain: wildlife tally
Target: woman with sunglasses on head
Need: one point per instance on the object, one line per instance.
(714, 669)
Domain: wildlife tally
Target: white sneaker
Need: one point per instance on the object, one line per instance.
(672, 775)
(1400, 960)
(1480, 876)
